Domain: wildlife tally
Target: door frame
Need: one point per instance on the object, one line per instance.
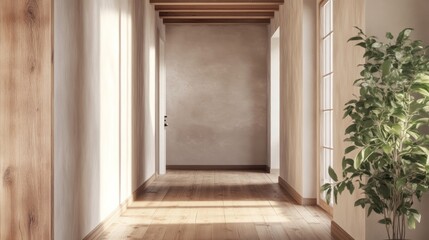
(161, 108)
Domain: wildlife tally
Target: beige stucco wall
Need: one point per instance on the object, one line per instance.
(217, 94)
(393, 16)
(103, 133)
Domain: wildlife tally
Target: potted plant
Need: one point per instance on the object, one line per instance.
(388, 121)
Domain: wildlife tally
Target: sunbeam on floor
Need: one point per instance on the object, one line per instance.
(218, 205)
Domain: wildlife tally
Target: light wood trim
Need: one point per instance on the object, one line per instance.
(26, 109)
(142, 187)
(226, 20)
(219, 8)
(216, 14)
(218, 167)
(295, 195)
(338, 232)
(326, 207)
(100, 228)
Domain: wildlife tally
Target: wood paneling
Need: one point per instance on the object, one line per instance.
(26, 119)
(291, 75)
(195, 205)
(347, 14)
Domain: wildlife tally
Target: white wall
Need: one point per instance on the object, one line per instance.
(274, 116)
(308, 171)
(102, 114)
(393, 16)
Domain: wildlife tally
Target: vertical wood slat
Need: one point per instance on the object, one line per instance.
(346, 58)
(26, 119)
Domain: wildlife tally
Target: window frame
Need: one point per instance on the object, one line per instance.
(319, 103)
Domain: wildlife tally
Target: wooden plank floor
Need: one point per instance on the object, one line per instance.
(218, 205)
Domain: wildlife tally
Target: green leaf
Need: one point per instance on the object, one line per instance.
(385, 221)
(347, 161)
(385, 67)
(328, 196)
(411, 220)
(341, 187)
(332, 174)
(389, 35)
(397, 129)
(350, 129)
(355, 38)
(387, 149)
(350, 187)
(335, 195)
(407, 32)
(325, 187)
(350, 149)
(361, 202)
(377, 45)
(403, 35)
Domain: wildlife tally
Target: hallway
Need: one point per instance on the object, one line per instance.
(218, 205)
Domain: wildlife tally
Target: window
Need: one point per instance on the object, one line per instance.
(326, 94)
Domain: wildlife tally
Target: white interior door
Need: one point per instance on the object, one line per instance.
(162, 109)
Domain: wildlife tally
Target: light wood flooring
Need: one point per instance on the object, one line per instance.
(218, 205)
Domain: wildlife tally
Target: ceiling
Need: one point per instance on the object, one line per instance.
(216, 11)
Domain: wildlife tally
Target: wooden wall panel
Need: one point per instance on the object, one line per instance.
(25, 119)
(346, 58)
(291, 60)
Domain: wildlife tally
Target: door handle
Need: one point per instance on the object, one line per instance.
(165, 121)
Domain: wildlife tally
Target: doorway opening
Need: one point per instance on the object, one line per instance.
(274, 104)
(162, 109)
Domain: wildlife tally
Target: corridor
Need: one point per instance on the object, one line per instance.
(218, 205)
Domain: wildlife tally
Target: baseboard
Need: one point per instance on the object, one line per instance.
(295, 195)
(338, 232)
(268, 169)
(217, 167)
(142, 187)
(98, 230)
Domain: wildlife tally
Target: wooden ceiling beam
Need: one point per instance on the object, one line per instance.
(218, 17)
(213, 8)
(211, 20)
(216, 14)
(215, 2)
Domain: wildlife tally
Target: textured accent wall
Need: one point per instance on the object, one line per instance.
(217, 94)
